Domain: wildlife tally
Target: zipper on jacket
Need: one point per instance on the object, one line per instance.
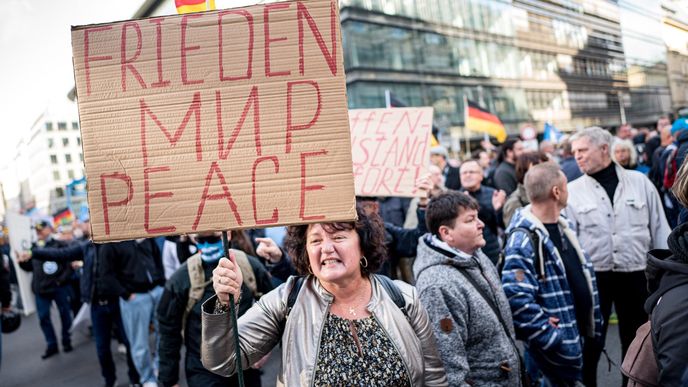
(396, 347)
(317, 351)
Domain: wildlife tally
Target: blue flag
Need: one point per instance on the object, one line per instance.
(551, 133)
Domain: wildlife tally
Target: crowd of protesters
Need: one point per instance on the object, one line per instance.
(514, 244)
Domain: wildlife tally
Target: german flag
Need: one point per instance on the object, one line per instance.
(63, 217)
(480, 120)
(189, 6)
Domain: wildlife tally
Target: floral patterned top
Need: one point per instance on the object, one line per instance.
(358, 353)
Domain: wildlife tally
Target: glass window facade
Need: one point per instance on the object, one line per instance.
(491, 16)
(447, 100)
(371, 46)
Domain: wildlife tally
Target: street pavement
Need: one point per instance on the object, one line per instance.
(22, 365)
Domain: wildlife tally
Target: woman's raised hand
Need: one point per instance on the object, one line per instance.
(227, 279)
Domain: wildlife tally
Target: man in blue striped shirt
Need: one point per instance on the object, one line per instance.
(550, 284)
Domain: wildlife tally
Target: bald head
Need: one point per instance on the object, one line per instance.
(540, 181)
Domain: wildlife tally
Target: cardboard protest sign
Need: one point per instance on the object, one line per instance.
(213, 121)
(390, 149)
(19, 228)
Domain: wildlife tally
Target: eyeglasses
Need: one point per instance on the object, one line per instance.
(212, 239)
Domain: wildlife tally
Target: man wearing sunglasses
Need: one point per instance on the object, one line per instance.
(179, 325)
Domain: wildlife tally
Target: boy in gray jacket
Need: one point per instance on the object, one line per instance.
(459, 287)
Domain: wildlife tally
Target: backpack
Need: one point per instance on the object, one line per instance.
(535, 241)
(199, 283)
(670, 169)
(392, 291)
(640, 365)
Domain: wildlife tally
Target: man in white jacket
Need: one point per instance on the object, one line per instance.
(618, 217)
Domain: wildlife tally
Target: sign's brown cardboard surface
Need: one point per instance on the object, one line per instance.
(390, 149)
(213, 121)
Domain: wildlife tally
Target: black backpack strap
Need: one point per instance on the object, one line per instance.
(393, 291)
(535, 241)
(294, 293)
(291, 300)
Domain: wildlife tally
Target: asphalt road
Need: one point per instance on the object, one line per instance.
(22, 365)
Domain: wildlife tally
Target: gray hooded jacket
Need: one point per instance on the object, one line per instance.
(470, 338)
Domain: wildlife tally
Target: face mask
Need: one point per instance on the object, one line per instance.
(211, 252)
(78, 233)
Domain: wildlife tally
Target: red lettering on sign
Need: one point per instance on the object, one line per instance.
(386, 175)
(215, 169)
(269, 40)
(104, 197)
(194, 108)
(249, 66)
(87, 55)
(148, 197)
(353, 122)
(290, 125)
(371, 117)
(401, 171)
(158, 45)
(411, 126)
(275, 212)
(380, 141)
(305, 188)
(184, 49)
(382, 122)
(127, 63)
(252, 100)
(330, 57)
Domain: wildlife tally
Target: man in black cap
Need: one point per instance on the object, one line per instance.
(50, 284)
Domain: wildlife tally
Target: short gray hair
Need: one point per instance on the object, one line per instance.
(596, 135)
(540, 179)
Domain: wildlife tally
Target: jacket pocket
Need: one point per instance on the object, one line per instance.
(637, 213)
(588, 218)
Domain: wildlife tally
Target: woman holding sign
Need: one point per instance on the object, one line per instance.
(338, 324)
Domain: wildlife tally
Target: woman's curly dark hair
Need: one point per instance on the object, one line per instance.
(370, 230)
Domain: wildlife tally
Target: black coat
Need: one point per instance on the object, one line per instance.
(5, 292)
(452, 179)
(78, 251)
(667, 275)
(171, 312)
(130, 267)
(48, 275)
(505, 178)
(492, 220)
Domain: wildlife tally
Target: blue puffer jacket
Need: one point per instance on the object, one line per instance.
(557, 350)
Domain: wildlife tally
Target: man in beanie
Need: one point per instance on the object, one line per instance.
(439, 157)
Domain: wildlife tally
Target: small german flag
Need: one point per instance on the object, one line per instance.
(63, 217)
(480, 120)
(189, 6)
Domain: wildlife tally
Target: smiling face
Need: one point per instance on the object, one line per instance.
(334, 255)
